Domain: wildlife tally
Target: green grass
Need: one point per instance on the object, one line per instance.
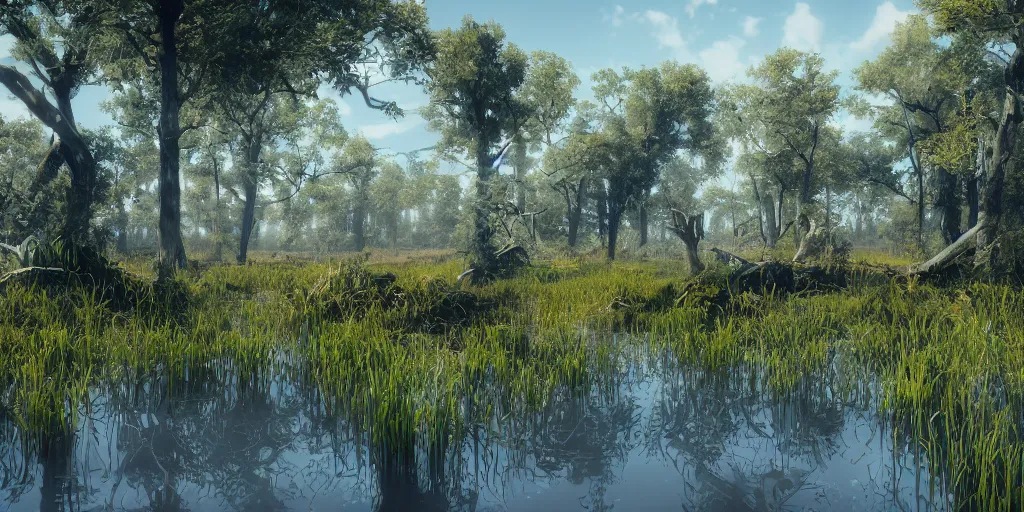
(950, 360)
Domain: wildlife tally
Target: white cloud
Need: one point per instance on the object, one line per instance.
(666, 30)
(387, 129)
(616, 17)
(750, 28)
(722, 59)
(802, 30)
(886, 18)
(694, 4)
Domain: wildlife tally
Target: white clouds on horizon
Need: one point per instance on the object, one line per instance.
(885, 20)
(802, 30)
(750, 26)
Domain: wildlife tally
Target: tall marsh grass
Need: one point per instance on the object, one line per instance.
(950, 360)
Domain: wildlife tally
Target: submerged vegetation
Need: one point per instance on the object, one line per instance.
(414, 357)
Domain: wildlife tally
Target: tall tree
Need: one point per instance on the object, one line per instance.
(359, 163)
(548, 93)
(784, 113)
(389, 200)
(23, 144)
(1000, 24)
(257, 47)
(55, 40)
(475, 106)
(919, 77)
(650, 116)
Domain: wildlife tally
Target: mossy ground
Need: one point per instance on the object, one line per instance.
(411, 355)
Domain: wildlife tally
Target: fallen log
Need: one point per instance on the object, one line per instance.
(947, 256)
(727, 257)
(45, 277)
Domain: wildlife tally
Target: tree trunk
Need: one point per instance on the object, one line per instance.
(809, 242)
(771, 223)
(602, 212)
(217, 232)
(172, 250)
(858, 223)
(248, 219)
(828, 213)
(972, 202)
(251, 187)
(122, 229)
(576, 212)
(71, 149)
(983, 235)
(643, 223)
(972, 185)
(79, 197)
(359, 226)
(986, 254)
(949, 204)
(614, 218)
(519, 166)
(690, 230)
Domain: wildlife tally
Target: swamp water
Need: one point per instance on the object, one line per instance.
(650, 434)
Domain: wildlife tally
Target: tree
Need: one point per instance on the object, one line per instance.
(281, 141)
(388, 199)
(54, 40)
(649, 116)
(22, 146)
(219, 46)
(358, 162)
(474, 105)
(920, 78)
(999, 24)
(548, 94)
(783, 115)
(566, 166)
(207, 169)
(444, 214)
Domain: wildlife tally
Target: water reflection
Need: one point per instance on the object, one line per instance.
(652, 436)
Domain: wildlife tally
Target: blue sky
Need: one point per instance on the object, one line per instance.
(723, 36)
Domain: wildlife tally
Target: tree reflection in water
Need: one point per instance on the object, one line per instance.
(206, 440)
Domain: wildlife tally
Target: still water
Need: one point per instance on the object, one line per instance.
(652, 435)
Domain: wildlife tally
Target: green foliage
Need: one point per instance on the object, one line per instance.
(25, 254)
(473, 85)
